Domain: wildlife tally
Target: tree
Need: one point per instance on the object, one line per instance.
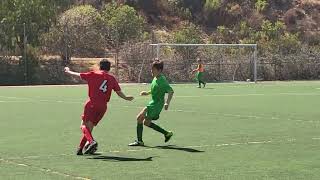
(33, 16)
(123, 24)
(187, 34)
(79, 31)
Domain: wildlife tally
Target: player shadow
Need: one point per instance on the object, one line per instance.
(174, 147)
(118, 158)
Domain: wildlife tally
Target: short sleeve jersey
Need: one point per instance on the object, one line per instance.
(159, 87)
(100, 84)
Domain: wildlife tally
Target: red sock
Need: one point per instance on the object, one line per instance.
(83, 141)
(87, 133)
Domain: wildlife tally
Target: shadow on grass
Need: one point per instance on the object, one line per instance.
(118, 158)
(174, 147)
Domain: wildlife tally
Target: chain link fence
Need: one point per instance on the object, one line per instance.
(221, 64)
(22, 64)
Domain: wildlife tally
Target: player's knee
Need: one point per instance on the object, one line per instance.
(147, 122)
(140, 118)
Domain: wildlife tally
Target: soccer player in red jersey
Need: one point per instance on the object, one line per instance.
(100, 84)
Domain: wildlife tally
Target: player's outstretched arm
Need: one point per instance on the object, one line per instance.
(68, 71)
(170, 95)
(123, 96)
(145, 93)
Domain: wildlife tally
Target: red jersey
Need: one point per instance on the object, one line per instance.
(100, 84)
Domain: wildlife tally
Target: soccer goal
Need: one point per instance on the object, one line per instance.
(222, 62)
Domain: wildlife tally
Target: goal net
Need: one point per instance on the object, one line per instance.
(222, 62)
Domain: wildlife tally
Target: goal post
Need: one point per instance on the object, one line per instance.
(240, 59)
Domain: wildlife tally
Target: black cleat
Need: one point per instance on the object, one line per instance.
(91, 148)
(168, 136)
(136, 143)
(204, 85)
(79, 152)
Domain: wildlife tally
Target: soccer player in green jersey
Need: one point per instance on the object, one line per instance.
(159, 87)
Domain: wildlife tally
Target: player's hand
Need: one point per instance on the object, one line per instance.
(66, 69)
(144, 93)
(166, 106)
(129, 98)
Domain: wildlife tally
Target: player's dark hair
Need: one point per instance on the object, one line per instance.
(158, 65)
(105, 65)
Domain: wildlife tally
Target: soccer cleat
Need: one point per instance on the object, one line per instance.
(79, 152)
(137, 143)
(168, 136)
(204, 85)
(86, 147)
(91, 148)
(198, 86)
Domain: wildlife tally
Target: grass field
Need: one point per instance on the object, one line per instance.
(226, 131)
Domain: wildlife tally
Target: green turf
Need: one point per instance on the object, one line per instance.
(226, 131)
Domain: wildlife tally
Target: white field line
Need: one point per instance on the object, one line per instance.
(29, 100)
(243, 95)
(42, 169)
(290, 140)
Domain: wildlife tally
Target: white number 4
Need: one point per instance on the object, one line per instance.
(104, 86)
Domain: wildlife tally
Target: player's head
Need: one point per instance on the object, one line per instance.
(105, 65)
(157, 67)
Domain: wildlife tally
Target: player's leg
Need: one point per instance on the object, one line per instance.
(83, 142)
(200, 79)
(87, 128)
(202, 82)
(198, 76)
(91, 116)
(167, 134)
(153, 113)
(140, 119)
(84, 129)
(95, 118)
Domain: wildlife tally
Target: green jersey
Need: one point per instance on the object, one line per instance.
(159, 87)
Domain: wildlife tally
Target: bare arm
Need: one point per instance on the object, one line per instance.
(68, 71)
(145, 93)
(166, 105)
(123, 96)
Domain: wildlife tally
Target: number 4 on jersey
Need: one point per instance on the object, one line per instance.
(104, 86)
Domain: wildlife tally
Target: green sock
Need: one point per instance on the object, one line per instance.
(139, 131)
(158, 128)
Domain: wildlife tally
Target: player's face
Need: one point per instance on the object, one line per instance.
(155, 72)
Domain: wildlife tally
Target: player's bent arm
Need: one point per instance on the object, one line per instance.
(145, 93)
(123, 96)
(195, 70)
(68, 71)
(170, 95)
